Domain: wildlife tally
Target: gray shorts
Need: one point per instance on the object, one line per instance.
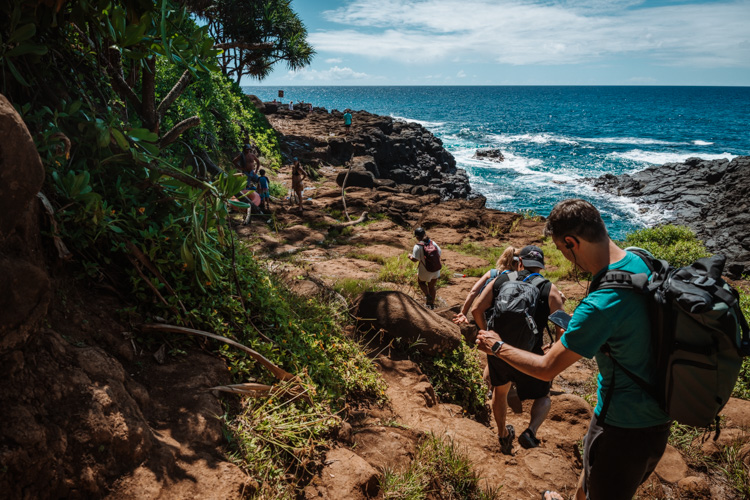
(617, 460)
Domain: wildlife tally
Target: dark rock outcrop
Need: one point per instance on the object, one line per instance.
(712, 197)
(492, 154)
(388, 149)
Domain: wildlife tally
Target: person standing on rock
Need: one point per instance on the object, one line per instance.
(502, 374)
(427, 253)
(298, 176)
(347, 122)
(628, 433)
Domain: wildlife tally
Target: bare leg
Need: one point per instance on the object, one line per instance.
(500, 407)
(424, 288)
(431, 288)
(298, 192)
(539, 411)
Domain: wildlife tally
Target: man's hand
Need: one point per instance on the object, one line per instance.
(460, 318)
(412, 258)
(486, 339)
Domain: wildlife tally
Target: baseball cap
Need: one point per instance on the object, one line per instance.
(419, 232)
(532, 256)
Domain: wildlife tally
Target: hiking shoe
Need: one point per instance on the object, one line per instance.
(514, 401)
(527, 440)
(506, 443)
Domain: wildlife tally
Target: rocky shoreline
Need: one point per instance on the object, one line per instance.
(383, 153)
(711, 197)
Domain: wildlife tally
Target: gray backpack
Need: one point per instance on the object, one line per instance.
(699, 336)
(515, 306)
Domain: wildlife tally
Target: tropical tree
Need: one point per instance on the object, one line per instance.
(255, 35)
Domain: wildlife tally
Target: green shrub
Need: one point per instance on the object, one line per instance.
(456, 377)
(742, 388)
(439, 470)
(678, 245)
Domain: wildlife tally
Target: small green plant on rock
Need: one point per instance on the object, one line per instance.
(439, 470)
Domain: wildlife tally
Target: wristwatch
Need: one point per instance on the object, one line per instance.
(496, 347)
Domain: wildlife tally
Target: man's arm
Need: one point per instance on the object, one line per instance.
(544, 367)
(480, 305)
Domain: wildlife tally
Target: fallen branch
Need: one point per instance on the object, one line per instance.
(259, 390)
(343, 192)
(279, 373)
(62, 250)
(362, 218)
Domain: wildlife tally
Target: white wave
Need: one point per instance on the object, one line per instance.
(659, 158)
(541, 138)
(702, 143)
(426, 124)
(530, 168)
(642, 141)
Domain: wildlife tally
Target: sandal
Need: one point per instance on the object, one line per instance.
(527, 440)
(551, 495)
(506, 443)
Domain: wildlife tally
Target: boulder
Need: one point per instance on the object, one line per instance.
(346, 476)
(672, 467)
(737, 413)
(396, 315)
(357, 178)
(491, 154)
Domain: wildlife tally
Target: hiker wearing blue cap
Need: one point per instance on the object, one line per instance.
(298, 175)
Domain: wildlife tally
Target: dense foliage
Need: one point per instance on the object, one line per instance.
(136, 126)
(678, 245)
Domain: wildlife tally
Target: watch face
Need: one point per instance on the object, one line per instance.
(496, 347)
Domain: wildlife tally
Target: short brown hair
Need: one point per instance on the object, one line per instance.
(577, 218)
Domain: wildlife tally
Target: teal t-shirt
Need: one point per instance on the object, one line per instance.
(347, 119)
(619, 318)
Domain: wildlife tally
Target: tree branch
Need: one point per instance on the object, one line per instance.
(244, 46)
(148, 86)
(177, 131)
(173, 94)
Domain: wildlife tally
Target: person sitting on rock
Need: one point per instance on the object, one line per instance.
(628, 432)
(508, 261)
(427, 253)
(531, 261)
(248, 163)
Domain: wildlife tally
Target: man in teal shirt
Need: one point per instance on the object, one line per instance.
(347, 121)
(628, 433)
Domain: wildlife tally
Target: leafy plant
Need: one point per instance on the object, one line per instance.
(456, 377)
(678, 245)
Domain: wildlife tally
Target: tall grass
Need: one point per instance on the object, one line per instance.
(439, 470)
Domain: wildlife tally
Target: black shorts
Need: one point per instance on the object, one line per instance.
(528, 387)
(617, 460)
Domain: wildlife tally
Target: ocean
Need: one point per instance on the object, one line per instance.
(552, 137)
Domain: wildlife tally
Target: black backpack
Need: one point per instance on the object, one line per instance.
(514, 310)
(699, 336)
(431, 256)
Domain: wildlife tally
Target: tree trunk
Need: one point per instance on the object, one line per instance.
(148, 84)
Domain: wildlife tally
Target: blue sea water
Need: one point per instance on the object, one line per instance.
(553, 136)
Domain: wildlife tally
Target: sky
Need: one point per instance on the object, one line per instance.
(526, 42)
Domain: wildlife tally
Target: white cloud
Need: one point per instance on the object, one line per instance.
(461, 74)
(334, 60)
(334, 73)
(546, 32)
